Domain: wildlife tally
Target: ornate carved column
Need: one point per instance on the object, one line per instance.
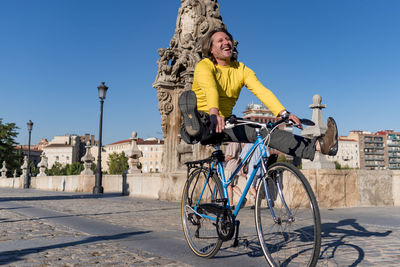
(175, 75)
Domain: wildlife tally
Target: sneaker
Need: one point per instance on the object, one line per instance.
(188, 105)
(329, 141)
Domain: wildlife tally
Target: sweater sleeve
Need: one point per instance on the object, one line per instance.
(261, 92)
(206, 81)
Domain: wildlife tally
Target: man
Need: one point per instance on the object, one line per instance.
(218, 80)
(232, 160)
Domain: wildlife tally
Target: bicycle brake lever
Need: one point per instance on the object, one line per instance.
(307, 122)
(229, 125)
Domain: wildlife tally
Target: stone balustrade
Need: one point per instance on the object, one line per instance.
(333, 188)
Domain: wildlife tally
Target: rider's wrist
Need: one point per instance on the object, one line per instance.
(284, 113)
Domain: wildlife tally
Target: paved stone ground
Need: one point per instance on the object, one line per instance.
(40, 228)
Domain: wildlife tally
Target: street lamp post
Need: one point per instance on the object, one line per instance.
(27, 180)
(98, 188)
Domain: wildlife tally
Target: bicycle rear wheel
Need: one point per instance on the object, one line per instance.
(294, 237)
(200, 232)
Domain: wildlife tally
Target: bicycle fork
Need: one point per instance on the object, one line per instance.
(277, 180)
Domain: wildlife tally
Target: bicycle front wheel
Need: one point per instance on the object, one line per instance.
(200, 231)
(293, 236)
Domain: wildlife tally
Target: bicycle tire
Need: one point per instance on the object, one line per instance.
(200, 233)
(284, 241)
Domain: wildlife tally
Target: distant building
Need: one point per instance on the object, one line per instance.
(35, 151)
(393, 148)
(348, 153)
(152, 149)
(372, 149)
(63, 149)
(67, 149)
(260, 113)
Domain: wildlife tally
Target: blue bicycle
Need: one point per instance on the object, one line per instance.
(286, 211)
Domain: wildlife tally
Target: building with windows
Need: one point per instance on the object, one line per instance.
(152, 149)
(372, 149)
(62, 149)
(393, 148)
(348, 155)
(259, 113)
(35, 151)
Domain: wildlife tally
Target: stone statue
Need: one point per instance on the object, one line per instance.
(175, 75)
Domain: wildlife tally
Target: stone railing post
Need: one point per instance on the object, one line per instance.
(43, 164)
(134, 154)
(87, 161)
(24, 168)
(320, 161)
(4, 170)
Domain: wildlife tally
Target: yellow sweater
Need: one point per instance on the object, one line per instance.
(219, 87)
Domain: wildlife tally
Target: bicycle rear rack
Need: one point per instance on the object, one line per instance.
(217, 155)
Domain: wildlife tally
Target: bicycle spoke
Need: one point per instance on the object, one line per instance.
(200, 231)
(294, 239)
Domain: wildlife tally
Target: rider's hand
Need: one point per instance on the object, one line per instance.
(296, 121)
(217, 121)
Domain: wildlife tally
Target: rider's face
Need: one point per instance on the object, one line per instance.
(221, 48)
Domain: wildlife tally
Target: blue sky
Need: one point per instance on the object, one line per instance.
(54, 54)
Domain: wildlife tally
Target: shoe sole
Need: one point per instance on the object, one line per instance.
(333, 150)
(188, 105)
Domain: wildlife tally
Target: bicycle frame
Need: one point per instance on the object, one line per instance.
(225, 183)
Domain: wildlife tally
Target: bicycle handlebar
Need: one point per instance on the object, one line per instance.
(233, 121)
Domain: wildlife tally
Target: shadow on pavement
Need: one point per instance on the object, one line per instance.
(340, 236)
(334, 236)
(8, 257)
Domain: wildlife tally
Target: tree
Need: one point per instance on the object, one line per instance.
(337, 165)
(56, 169)
(117, 163)
(13, 158)
(75, 168)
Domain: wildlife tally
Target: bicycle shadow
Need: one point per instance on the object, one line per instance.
(340, 243)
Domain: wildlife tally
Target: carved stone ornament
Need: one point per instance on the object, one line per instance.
(175, 70)
(134, 154)
(88, 160)
(4, 170)
(43, 164)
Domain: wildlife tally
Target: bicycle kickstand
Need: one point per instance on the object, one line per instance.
(236, 241)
